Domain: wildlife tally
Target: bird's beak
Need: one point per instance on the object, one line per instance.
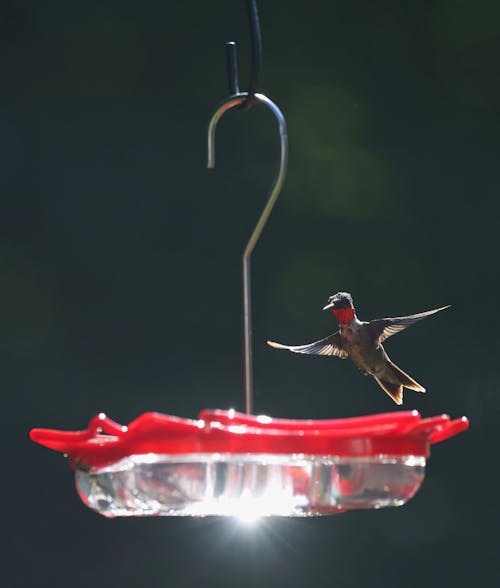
(329, 305)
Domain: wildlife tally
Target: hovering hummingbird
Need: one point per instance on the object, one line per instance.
(362, 342)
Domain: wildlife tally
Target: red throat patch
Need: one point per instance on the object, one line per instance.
(343, 315)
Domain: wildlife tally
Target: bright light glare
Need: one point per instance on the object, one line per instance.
(248, 514)
(249, 509)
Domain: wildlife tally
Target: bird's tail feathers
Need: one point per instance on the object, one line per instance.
(406, 380)
(395, 391)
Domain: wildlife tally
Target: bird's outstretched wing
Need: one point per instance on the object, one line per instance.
(330, 345)
(384, 328)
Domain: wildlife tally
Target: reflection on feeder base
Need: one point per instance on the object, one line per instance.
(248, 486)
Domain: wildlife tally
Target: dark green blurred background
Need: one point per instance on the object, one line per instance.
(120, 268)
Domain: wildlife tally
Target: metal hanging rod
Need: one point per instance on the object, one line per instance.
(245, 100)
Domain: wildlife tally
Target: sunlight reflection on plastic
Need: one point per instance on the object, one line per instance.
(249, 510)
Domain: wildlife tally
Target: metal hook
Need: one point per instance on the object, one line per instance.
(229, 103)
(256, 53)
(255, 60)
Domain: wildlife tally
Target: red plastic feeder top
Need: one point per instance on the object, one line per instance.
(227, 431)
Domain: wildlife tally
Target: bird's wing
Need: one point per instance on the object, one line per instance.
(384, 328)
(331, 345)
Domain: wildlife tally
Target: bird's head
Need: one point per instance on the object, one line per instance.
(342, 307)
(339, 301)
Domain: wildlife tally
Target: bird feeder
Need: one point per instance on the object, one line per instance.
(227, 463)
(232, 464)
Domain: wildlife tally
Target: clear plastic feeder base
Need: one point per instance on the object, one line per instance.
(248, 486)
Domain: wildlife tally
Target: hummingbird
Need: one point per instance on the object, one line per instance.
(362, 342)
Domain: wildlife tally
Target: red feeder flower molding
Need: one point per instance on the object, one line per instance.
(227, 463)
